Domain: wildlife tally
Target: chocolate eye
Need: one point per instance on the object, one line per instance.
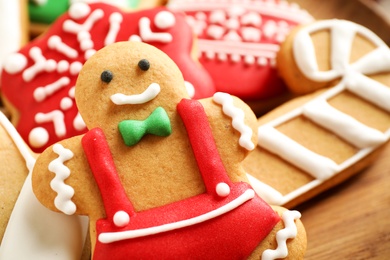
(106, 76)
(144, 64)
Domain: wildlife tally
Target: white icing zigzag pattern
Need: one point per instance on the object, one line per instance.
(238, 117)
(64, 192)
(289, 231)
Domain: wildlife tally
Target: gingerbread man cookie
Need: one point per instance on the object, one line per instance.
(27, 229)
(315, 142)
(238, 42)
(156, 170)
(38, 81)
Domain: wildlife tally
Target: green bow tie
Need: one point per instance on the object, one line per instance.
(157, 123)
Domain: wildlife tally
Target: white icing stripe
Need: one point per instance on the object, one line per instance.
(55, 116)
(266, 192)
(238, 119)
(115, 22)
(288, 232)
(147, 34)
(56, 43)
(40, 64)
(363, 87)
(110, 237)
(150, 93)
(266, 50)
(64, 192)
(380, 57)
(342, 124)
(341, 36)
(41, 93)
(318, 166)
(73, 27)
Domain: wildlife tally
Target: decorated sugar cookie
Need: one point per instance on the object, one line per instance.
(238, 42)
(156, 170)
(27, 229)
(38, 83)
(314, 142)
(44, 12)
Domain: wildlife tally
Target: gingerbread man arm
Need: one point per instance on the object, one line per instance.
(62, 179)
(233, 125)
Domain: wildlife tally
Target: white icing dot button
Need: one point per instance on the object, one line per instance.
(79, 10)
(15, 63)
(121, 218)
(222, 189)
(38, 137)
(164, 20)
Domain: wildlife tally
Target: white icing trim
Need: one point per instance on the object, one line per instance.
(274, 141)
(266, 192)
(115, 21)
(40, 64)
(110, 237)
(17, 139)
(342, 124)
(238, 119)
(147, 35)
(150, 93)
(64, 192)
(73, 27)
(288, 232)
(55, 42)
(55, 116)
(240, 49)
(41, 93)
(279, 9)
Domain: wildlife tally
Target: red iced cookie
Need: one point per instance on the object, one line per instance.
(38, 81)
(238, 41)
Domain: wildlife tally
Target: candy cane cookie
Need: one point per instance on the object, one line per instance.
(316, 141)
(38, 81)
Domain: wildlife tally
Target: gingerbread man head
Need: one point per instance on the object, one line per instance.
(127, 84)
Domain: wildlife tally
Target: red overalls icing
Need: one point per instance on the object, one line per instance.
(228, 221)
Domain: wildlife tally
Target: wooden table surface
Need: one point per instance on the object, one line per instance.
(352, 220)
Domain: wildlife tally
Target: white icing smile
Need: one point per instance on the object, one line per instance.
(150, 93)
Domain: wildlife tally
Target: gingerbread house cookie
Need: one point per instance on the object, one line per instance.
(156, 170)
